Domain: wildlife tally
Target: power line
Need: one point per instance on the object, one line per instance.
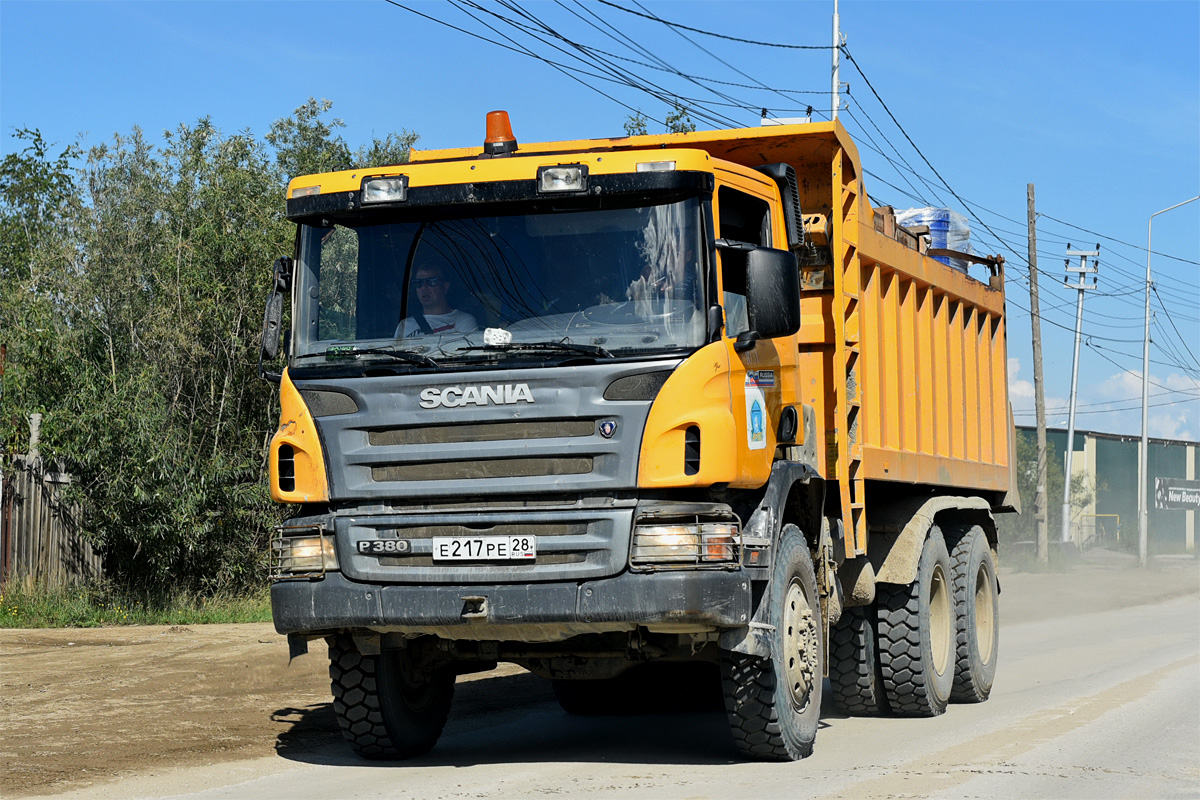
(1100, 352)
(1137, 400)
(1111, 410)
(640, 83)
(719, 35)
(617, 75)
(1120, 241)
(681, 74)
(706, 50)
(1177, 333)
(520, 50)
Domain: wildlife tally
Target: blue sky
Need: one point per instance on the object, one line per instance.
(1097, 103)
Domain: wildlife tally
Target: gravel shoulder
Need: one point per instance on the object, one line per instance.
(83, 708)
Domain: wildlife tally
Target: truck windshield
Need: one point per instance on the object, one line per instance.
(620, 280)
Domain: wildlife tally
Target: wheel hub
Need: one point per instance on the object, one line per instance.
(800, 644)
(941, 621)
(984, 614)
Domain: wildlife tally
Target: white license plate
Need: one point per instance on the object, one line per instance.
(484, 548)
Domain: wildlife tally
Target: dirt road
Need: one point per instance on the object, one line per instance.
(1095, 698)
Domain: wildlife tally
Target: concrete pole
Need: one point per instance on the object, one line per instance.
(1066, 506)
(1144, 450)
(1082, 287)
(837, 43)
(1039, 391)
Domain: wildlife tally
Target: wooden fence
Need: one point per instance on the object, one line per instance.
(39, 532)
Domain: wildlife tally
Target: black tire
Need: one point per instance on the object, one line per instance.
(977, 615)
(855, 678)
(916, 635)
(774, 704)
(383, 709)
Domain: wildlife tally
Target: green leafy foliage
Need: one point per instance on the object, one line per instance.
(678, 121)
(635, 124)
(131, 301)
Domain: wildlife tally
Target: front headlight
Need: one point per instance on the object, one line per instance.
(568, 178)
(302, 553)
(687, 544)
(385, 190)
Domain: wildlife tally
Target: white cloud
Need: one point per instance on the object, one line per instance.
(1023, 398)
(1170, 425)
(1123, 386)
(1174, 411)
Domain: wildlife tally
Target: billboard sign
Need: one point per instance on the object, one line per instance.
(1177, 493)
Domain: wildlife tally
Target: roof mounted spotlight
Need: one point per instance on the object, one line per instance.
(499, 139)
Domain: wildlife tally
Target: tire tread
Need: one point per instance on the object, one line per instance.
(854, 677)
(905, 680)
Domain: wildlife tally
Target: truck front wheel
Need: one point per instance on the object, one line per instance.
(774, 704)
(916, 635)
(387, 709)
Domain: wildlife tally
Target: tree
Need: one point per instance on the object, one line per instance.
(635, 124)
(38, 203)
(305, 143)
(391, 150)
(678, 120)
(131, 308)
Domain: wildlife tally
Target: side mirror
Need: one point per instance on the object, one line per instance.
(281, 283)
(772, 295)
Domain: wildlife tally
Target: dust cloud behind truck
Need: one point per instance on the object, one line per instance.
(645, 416)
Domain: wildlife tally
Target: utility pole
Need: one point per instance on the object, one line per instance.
(1082, 271)
(1144, 450)
(1039, 392)
(837, 43)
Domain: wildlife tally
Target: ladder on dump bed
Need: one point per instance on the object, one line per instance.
(847, 290)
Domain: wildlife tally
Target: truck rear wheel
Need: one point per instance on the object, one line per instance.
(854, 673)
(977, 615)
(916, 635)
(774, 704)
(385, 708)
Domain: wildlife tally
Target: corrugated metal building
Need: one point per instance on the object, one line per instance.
(1110, 462)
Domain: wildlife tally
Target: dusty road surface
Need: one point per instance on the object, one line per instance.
(1095, 697)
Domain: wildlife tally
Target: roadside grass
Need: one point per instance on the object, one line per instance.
(29, 605)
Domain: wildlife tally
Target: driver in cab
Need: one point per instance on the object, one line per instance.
(437, 315)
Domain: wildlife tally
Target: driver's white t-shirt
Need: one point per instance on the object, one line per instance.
(454, 321)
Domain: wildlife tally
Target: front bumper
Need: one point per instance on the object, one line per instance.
(680, 601)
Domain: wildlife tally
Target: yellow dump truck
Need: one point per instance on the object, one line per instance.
(647, 416)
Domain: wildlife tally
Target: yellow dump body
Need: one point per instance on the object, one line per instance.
(902, 357)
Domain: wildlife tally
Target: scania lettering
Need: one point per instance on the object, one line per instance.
(455, 396)
(649, 416)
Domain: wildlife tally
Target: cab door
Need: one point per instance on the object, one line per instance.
(762, 378)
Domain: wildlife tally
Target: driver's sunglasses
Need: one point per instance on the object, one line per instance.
(421, 283)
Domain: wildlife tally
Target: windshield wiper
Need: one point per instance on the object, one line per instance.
(350, 351)
(554, 347)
